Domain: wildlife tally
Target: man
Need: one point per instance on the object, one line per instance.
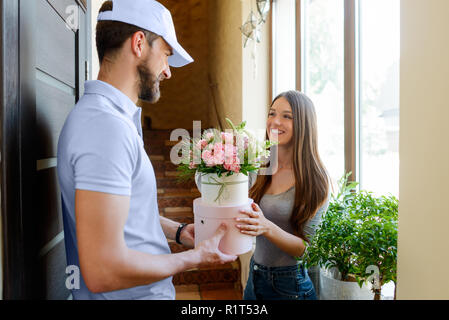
(112, 227)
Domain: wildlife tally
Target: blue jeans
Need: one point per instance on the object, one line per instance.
(278, 283)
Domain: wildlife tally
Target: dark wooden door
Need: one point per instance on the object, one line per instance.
(45, 54)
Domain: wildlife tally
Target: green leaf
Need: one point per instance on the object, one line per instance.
(358, 230)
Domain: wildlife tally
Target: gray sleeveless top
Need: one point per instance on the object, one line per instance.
(278, 209)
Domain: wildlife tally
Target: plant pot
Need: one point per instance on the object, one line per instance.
(223, 191)
(332, 288)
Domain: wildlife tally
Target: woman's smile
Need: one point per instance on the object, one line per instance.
(277, 131)
(280, 121)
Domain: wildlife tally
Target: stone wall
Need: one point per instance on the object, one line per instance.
(225, 18)
(186, 96)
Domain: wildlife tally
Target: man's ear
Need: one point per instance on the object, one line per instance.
(138, 43)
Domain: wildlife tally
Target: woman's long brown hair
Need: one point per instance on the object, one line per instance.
(311, 177)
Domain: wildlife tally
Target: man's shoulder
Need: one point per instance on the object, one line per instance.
(90, 126)
(94, 113)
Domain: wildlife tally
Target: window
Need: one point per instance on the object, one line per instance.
(344, 54)
(322, 46)
(284, 47)
(378, 63)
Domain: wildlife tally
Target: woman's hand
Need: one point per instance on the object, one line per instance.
(256, 224)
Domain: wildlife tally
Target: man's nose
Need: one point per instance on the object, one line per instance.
(167, 73)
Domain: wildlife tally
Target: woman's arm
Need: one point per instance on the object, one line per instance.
(256, 224)
(287, 242)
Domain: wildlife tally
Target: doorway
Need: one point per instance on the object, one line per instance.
(45, 50)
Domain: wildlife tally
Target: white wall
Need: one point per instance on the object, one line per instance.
(423, 255)
(95, 7)
(255, 73)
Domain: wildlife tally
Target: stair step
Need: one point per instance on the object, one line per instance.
(156, 157)
(171, 182)
(158, 135)
(158, 166)
(179, 190)
(177, 213)
(169, 166)
(164, 147)
(221, 291)
(164, 202)
(161, 150)
(164, 166)
(171, 173)
(227, 273)
(174, 210)
(152, 135)
(188, 219)
(209, 291)
(153, 149)
(188, 292)
(170, 143)
(180, 194)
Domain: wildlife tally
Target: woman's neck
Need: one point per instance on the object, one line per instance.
(285, 157)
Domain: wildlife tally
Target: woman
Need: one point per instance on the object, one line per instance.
(291, 202)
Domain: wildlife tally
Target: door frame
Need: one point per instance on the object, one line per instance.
(12, 86)
(17, 153)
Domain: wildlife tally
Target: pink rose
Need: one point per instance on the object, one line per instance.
(232, 163)
(230, 150)
(232, 167)
(215, 156)
(208, 158)
(218, 153)
(218, 147)
(209, 136)
(201, 144)
(227, 137)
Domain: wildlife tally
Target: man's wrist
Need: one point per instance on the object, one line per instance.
(191, 258)
(178, 232)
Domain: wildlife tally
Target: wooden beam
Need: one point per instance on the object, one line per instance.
(12, 232)
(350, 89)
(299, 86)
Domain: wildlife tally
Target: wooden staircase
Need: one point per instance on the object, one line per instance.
(175, 202)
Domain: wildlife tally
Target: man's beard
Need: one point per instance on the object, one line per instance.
(148, 84)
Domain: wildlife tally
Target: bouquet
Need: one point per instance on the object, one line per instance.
(224, 153)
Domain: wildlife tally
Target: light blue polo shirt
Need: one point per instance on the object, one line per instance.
(101, 149)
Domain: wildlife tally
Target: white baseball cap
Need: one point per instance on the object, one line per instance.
(152, 16)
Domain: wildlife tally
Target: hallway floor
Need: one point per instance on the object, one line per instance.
(212, 291)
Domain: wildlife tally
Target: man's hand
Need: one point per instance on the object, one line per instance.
(210, 254)
(187, 236)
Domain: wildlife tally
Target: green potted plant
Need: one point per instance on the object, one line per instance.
(356, 242)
